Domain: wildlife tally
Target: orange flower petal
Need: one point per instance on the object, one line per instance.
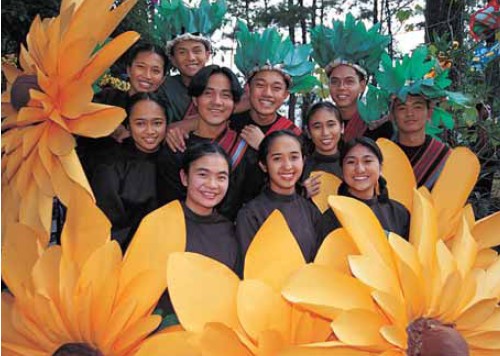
(202, 290)
(326, 292)
(218, 339)
(485, 231)
(159, 343)
(399, 173)
(334, 251)
(101, 122)
(274, 253)
(61, 142)
(329, 186)
(476, 314)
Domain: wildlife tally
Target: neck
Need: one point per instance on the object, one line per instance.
(364, 195)
(412, 139)
(263, 120)
(186, 80)
(208, 131)
(349, 112)
(329, 153)
(199, 210)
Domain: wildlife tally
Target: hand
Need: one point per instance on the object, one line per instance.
(243, 105)
(312, 185)
(120, 134)
(178, 132)
(253, 135)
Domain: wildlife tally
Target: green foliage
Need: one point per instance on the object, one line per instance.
(269, 49)
(374, 105)
(173, 17)
(349, 41)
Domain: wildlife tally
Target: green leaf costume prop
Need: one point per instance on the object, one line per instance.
(411, 76)
(270, 51)
(174, 22)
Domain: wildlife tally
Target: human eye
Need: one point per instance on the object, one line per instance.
(335, 82)
(350, 82)
(277, 87)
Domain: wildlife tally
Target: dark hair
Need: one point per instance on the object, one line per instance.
(134, 99)
(148, 47)
(200, 81)
(199, 150)
(287, 80)
(269, 139)
(323, 105)
(397, 100)
(373, 147)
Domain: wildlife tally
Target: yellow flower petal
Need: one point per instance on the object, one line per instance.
(218, 339)
(136, 333)
(329, 186)
(464, 248)
(395, 335)
(326, 292)
(393, 308)
(270, 343)
(159, 344)
(202, 290)
(375, 274)
(274, 253)
(399, 173)
(45, 273)
(486, 231)
(364, 228)
(360, 328)
(20, 252)
(320, 350)
(485, 258)
(61, 142)
(271, 312)
(101, 121)
(334, 250)
(487, 340)
(80, 237)
(493, 279)
(450, 193)
(308, 327)
(476, 314)
(108, 55)
(160, 233)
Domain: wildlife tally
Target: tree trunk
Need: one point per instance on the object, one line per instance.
(314, 6)
(375, 12)
(444, 17)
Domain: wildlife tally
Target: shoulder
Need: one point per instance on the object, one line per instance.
(398, 207)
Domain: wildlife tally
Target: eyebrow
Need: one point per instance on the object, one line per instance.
(203, 169)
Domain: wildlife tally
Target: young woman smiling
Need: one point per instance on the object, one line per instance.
(361, 167)
(125, 184)
(325, 128)
(281, 158)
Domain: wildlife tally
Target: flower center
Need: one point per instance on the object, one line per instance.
(77, 349)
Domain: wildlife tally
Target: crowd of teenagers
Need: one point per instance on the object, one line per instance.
(232, 159)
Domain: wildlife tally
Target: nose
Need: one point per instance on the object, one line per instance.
(217, 99)
(147, 73)
(323, 131)
(150, 128)
(267, 91)
(211, 182)
(287, 163)
(360, 167)
(190, 56)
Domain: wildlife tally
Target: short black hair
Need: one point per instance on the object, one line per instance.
(199, 150)
(141, 47)
(134, 99)
(200, 81)
(323, 105)
(269, 139)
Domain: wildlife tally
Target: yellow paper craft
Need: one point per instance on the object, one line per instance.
(38, 146)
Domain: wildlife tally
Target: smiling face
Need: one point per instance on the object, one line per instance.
(411, 115)
(325, 129)
(207, 182)
(216, 104)
(284, 164)
(148, 125)
(267, 91)
(146, 73)
(345, 86)
(189, 57)
(361, 171)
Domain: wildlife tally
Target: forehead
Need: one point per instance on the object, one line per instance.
(323, 115)
(343, 71)
(219, 81)
(149, 57)
(269, 77)
(360, 151)
(146, 109)
(189, 45)
(284, 144)
(212, 162)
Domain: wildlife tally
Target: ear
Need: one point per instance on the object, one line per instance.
(263, 167)
(362, 84)
(128, 71)
(195, 101)
(184, 178)
(430, 111)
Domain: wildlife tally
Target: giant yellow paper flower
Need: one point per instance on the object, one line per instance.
(84, 291)
(223, 315)
(39, 160)
(386, 284)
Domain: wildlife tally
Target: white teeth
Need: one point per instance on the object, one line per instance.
(360, 178)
